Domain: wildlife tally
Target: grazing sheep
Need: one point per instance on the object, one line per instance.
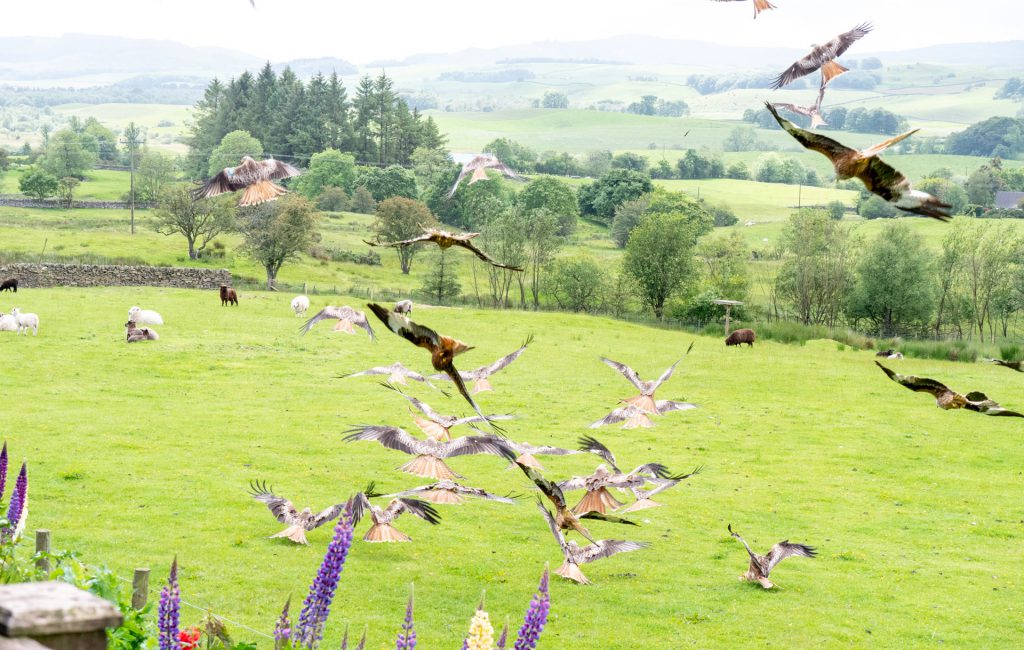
(741, 336)
(890, 354)
(227, 294)
(299, 305)
(403, 307)
(145, 316)
(25, 321)
(10, 284)
(134, 334)
(7, 323)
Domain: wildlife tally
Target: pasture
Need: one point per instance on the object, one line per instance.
(139, 453)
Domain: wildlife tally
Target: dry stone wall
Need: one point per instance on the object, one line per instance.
(89, 275)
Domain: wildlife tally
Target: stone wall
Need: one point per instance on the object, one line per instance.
(88, 275)
(12, 202)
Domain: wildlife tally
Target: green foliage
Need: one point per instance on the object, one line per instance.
(387, 182)
(555, 196)
(659, 257)
(627, 217)
(66, 190)
(894, 289)
(558, 164)
(429, 165)
(874, 120)
(600, 199)
(332, 199)
(155, 172)
(441, 281)
(945, 190)
(696, 165)
(983, 183)
(233, 146)
(630, 160)
(105, 139)
(652, 105)
(362, 201)
(554, 100)
(772, 169)
(743, 138)
(328, 168)
(513, 154)
(872, 206)
(576, 283)
(278, 231)
(70, 154)
(37, 183)
(723, 266)
(597, 163)
(835, 209)
(996, 136)
(400, 218)
(197, 221)
(738, 171)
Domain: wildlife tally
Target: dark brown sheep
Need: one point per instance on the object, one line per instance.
(227, 294)
(10, 284)
(741, 336)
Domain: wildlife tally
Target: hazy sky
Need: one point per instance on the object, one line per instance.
(361, 31)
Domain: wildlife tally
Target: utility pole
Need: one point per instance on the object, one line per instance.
(131, 139)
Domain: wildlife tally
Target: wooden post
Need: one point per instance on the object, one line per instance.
(727, 310)
(56, 615)
(43, 546)
(140, 588)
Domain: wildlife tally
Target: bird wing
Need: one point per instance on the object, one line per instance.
(276, 170)
(607, 548)
(468, 445)
(359, 503)
(820, 54)
(540, 450)
(626, 371)
(483, 494)
(980, 402)
(555, 530)
(654, 470)
(417, 507)
(882, 179)
(248, 172)
(574, 483)
(416, 334)
(594, 446)
(405, 242)
(918, 384)
(792, 108)
(550, 490)
(477, 418)
(810, 140)
(785, 549)
(376, 370)
(874, 150)
(219, 184)
(461, 386)
(390, 437)
(322, 517)
(497, 165)
(616, 416)
(502, 363)
(668, 373)
(282, 508)
(666, 405)
(358, 319)
(1015, 365)
(468, 245)
(754, 556)
(467, 169)
(330, 312)
(612, 519)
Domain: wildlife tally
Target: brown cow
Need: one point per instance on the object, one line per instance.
(741, 336)
(227, 294)
(10, 284)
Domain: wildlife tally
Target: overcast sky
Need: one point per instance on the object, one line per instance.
(361, 31)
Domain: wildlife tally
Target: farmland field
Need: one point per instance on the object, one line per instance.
(138, 453)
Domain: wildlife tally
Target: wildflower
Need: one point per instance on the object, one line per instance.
(407, 637)
(283, 629)
(3, 470)
(503, 638)
(189, 639)
(315, 609)
(16, 509)
(536, 617)
(169, 611)
(481, 634)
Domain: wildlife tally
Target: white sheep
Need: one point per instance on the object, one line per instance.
(7, 323)
(25, 321)
(145, 316)
(300, 304)
(403, 307)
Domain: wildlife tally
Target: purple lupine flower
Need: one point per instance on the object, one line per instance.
(362, 642)
(16, 508)
(169, 611)
(283, 628)
(407, 637)
(536, 617)
(3, 470)
(310, 628)
(503, 638)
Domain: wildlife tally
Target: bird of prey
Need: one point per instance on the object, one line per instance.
(813, 112)
(254, 176)
(759, 5)
(450, 492)
(396, 372)
(429, 454)
(949, 399)
(634, 416)
(645, 400)
(298, 522)
(528, 453)
(443, 349)
(481, 376)
(346, 317)
(761, 565)
(599, 499)
(574, 555)
(437, 426)
(879, 177)
(1014, 365)
(565, 518)
(478, 168)
(382, 530)
(446, 240)
(824, 57)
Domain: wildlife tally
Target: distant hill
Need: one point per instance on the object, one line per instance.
(1004, 54)
(306, 68)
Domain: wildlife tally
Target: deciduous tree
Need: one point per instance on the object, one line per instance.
(400, 218)
(278, 231)
(197, 221)
(659, 256)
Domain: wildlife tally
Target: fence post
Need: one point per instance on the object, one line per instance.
(43, 546)
(140, 588)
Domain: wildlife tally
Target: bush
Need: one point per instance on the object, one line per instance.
(875, 207)
(362, 201)
(957, 350)
(332, 199)
(836, 210)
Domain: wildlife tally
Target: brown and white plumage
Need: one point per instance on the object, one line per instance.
(1013, 365)
(813, 111)
(761, 565)
(632, 415)
(478, 166)
(565, 518)
(450, 492)
(481, 376)
(645, 400)
(879, 177)
(823, 57)
(574, 555)
(346, 317)
(396, 372)
(439, 426)
(382, 530)
(429, 454)
(528, 453)
(443, 349)
(759, 5)
(254, 176)
(298, 522)
(948, 399)
(446, 240)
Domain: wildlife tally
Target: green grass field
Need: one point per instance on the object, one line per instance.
(140, 453)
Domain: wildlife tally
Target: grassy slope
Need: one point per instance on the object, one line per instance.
(144, 452)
